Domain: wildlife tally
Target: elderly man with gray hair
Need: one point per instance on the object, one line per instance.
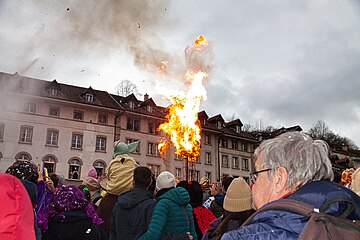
(296, 167)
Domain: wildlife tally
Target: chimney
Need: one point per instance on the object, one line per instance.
(146, 97)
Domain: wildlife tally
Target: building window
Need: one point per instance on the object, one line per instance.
(208, 176)
(53, 91)
(153, 149)
(52, 137)
(131, 105)
(49, 162)
(155, 169)
(24, 157)
(207, 139)
(100, 144)
(78, 115)
(89, 97)
(2, 131)
(76, 141)
(218, 124)
(152, 128)
(245, 164)
(30, 108)
(54, 111)
(178, 173)
(235, 162)
(238, 128)
(207, 158)
(149, 109)
(102, 118)
(133, 124)
(224, 143)
(197, 176)
(26, 133)
(234, 144)
(129, 140)
(74, 169)
(224, 161)
(244, 147)
(100, 167)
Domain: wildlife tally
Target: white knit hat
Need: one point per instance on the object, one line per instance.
(238, 196)
(165, 180)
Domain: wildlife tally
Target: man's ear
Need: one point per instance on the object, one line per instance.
(281, 178)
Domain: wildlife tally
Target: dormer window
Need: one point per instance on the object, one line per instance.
(131, 105)
(149, 109)
(218, 125)
(53, 91)
(238, 128)
(89, 97)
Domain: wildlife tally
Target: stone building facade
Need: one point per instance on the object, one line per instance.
(69, 129)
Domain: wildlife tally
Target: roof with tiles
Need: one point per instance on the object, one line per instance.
(55, 90)
(132, 104)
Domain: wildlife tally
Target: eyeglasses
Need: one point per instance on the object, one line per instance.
(254, 175)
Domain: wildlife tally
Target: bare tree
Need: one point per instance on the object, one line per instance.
(319, 130)
(125, 88)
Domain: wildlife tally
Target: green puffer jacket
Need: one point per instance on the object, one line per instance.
(169, 215)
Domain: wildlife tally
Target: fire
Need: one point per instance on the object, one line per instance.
(200, 43)
(183, 125)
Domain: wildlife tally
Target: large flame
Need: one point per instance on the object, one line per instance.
(183, 125)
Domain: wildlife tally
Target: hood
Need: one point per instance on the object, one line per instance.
(219, 199)
(318, 193)
(72, 216)
(133, 197)
(120, 174)
(178, 195)
(17, 218)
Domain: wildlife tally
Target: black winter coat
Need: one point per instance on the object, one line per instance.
(131, 214)
(75, 225)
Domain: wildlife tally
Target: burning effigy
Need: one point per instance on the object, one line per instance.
(183, 126)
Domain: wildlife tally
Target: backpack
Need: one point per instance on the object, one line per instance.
(320, 224)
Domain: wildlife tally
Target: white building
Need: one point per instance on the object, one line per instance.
(68, 129)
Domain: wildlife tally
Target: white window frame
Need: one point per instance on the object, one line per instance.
(76, 140)
(30, 108)
(26, 134)
(89, 97)
(100, 144)
(52, 137)
(225, 159)
(235, 162)
(208, 158)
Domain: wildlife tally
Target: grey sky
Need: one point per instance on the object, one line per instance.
(284, 62)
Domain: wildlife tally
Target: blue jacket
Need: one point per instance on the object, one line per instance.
(279, 224)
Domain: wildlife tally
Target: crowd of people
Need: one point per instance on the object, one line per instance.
(130, 203)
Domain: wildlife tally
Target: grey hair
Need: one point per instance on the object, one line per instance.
(304, 159)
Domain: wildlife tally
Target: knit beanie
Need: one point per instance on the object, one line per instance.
(92, 173)
(91, 183)
(355, 184)
(238, 196)
(165, 180)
